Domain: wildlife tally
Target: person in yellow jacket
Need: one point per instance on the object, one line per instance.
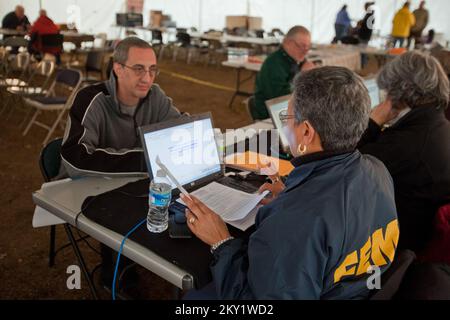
(402, 23)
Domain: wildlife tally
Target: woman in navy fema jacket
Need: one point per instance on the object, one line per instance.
(332, 225)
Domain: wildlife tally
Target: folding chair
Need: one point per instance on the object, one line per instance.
(157, 42)
(37, 84)
(15, 42)
(15, 73)
(3, 62)
(49, 163)
(42, 70)
(68, 78)
(18, 66)
(183, 42)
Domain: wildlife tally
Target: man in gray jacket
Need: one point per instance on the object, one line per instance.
(102, 136)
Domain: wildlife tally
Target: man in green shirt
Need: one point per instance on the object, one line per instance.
(279, 69)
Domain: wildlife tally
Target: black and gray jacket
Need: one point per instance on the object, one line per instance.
(101, 140)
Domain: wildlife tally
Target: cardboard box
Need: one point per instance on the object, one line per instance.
(156, 18)
(254, 23)
(249, 23)
(236, 22)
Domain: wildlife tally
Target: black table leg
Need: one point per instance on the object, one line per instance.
(80, 259)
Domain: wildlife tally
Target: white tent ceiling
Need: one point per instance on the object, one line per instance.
(318, 15)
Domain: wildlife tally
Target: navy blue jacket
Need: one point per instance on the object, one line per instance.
(316, 240)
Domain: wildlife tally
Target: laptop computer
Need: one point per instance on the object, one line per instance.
(188, 148)
(374, 91)
(274, 107)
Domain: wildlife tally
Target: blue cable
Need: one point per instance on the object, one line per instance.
(120, 253)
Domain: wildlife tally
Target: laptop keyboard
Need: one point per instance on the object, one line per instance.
(238, 184)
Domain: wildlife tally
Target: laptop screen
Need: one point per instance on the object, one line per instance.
(188, 150)
(275, 106)
(374, 91)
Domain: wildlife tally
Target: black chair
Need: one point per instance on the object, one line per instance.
(183, 39)
(183, 42)
(49, 163)
(157, 42)
(392, 277)
(276, 32)
(259, 33)
(349, 40)
(109, 66)
(94, 63)
(52, 44)
(52, 41)
(157, 38)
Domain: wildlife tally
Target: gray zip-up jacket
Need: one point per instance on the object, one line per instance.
(101, 140)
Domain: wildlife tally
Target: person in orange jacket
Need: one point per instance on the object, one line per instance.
(402, 23)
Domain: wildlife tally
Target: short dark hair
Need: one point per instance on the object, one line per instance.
(123, 47)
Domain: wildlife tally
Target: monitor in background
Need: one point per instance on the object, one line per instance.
(188, 149)
(374, 92)
(274, 107)
(129, 19)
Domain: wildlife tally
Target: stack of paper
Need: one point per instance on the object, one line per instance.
(232, 205)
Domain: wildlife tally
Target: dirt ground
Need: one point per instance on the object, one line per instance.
(24, 271)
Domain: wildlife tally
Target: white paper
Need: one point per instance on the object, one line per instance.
(43, 218)
(248, 221)
(229, 203)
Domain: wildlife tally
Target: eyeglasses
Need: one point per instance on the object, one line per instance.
(140, 71)
(302, 46)
(284, 116)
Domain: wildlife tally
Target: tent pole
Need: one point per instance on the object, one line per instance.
(200, 8)
(311, 29)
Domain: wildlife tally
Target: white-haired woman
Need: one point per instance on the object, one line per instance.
(416, 148)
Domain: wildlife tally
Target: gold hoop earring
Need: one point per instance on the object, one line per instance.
(301, 149)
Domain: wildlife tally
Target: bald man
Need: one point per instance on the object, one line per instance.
(278, 70)
(16, 20)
